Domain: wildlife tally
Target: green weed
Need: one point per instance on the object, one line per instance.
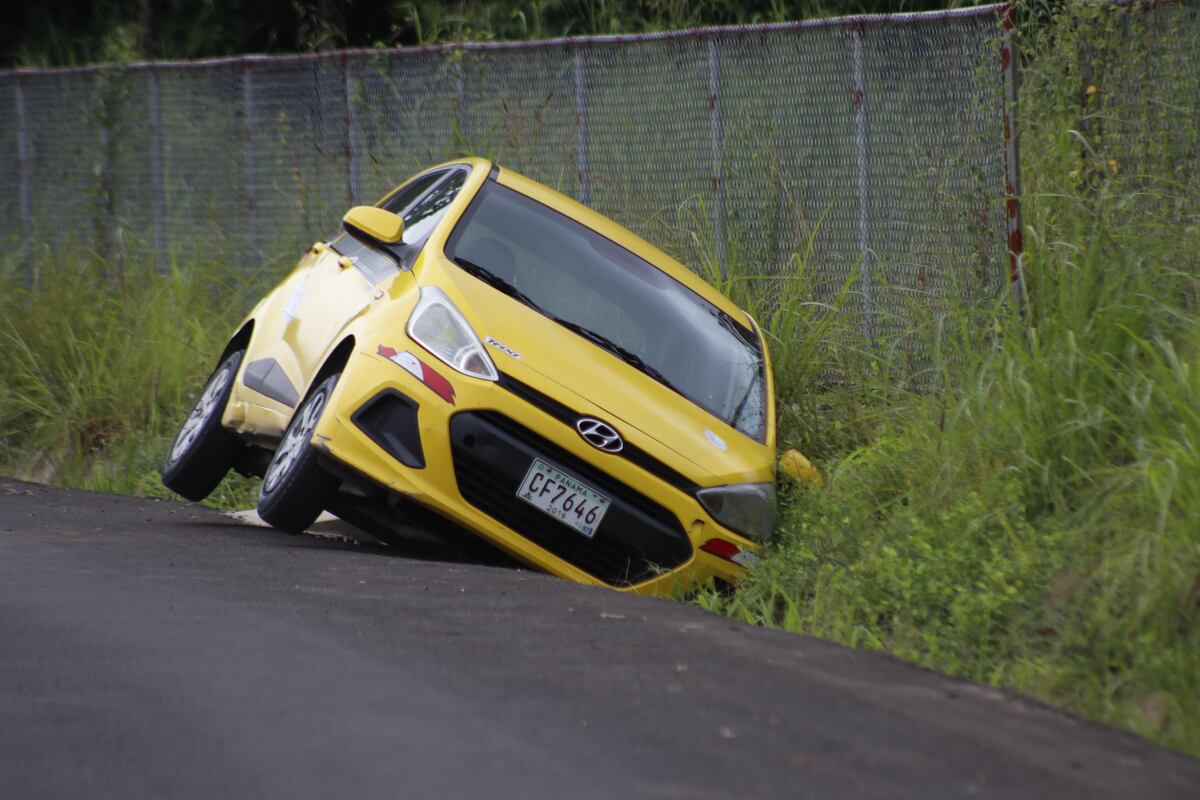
(98, 374)
(1034, 522)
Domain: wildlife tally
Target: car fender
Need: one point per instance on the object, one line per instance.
(363, 328)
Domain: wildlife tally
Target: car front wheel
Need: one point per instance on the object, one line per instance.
(203, 451)
(295, 488)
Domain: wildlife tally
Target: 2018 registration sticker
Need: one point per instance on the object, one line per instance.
(557, 494)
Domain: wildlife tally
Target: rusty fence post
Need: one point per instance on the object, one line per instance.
(1012, 160)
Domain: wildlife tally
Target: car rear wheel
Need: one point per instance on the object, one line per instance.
(295, 488)
(203, 451)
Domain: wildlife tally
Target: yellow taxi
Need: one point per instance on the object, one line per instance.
(490, 358)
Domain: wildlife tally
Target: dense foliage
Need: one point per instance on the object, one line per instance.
(1035, 522)
(72, 32)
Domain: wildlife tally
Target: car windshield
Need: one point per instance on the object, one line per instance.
(616, 300)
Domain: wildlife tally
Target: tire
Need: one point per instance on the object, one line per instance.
(295, 488)
(203, 451)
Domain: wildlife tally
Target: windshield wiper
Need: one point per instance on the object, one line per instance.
(741, 406)
(628, 356)
(496, 282)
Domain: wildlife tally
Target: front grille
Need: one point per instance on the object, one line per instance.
(637, 538)
(568, 416)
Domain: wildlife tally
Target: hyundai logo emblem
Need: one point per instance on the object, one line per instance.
(599, 435)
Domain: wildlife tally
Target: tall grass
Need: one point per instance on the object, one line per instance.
(1033, 522)
(97, 375)
(1036, 522)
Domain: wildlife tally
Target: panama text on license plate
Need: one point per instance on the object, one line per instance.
(569, 501)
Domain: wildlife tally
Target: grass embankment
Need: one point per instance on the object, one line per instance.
(1028, 517)
(1033, 520)
(97, 377)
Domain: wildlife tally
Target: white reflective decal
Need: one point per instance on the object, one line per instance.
(293, 303)
(411, 363)
(745, 558)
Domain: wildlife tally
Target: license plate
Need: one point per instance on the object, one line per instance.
(567, 500)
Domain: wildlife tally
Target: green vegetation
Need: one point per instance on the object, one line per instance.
(1034, 521)
(72, 32)
(1028, 516)
(97, 377)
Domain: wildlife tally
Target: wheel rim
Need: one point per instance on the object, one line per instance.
(208, 405)
(298, 435)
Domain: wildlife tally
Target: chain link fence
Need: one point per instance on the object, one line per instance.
(1140, 115)
(871, 150)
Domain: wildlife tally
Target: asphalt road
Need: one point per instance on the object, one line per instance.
(158, 649)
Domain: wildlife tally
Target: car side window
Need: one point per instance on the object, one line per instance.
(404, 198)
(376, 265)
(420, 220)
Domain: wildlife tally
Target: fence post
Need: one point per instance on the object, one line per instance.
(861, 137)
(251, 165)
(24, 196)
(460, 95)
(157, 188)
(581, 126)
(109, 246)
(353, 187)
(718, 136)
(1012, 160)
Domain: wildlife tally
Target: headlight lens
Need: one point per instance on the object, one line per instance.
(747, 508)
(437, 325)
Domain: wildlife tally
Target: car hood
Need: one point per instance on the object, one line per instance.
(537, 351)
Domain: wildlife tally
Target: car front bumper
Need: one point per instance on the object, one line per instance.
(460, 446)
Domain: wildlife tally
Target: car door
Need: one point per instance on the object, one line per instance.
(293, 332)
(332, 293)
(334, 287)
(331, 286)
(343, 280)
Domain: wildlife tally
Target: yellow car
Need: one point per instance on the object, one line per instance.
(484, 355)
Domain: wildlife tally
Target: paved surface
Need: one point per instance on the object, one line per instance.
(153, 649)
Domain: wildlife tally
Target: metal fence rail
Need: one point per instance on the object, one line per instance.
(872, 147)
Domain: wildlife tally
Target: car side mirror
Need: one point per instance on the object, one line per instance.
(374, 225)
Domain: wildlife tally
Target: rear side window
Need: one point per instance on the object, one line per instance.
(421, 204)
(427, 212)
(408, 195)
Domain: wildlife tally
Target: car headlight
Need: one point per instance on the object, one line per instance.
(437, 325)
(747, 508)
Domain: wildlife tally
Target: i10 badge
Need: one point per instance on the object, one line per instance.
(557, 494)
